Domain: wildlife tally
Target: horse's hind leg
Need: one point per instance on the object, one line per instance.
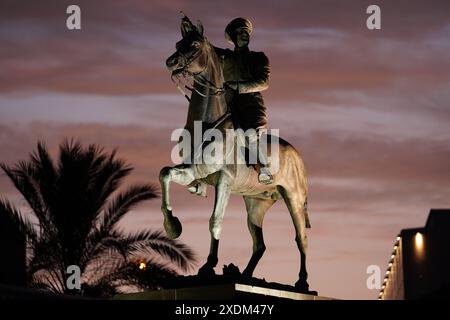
(256, 208)
(296, 203)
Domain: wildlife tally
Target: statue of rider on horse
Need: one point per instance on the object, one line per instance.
(232, 80)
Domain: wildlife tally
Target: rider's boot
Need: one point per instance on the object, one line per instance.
(264, 174)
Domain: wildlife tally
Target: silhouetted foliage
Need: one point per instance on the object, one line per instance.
(78, 206)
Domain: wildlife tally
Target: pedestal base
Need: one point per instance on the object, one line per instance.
(230, 291)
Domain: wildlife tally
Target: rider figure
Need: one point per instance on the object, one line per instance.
(246, 74)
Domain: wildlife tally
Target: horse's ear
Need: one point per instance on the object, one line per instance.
(200, 27)
(186, 25)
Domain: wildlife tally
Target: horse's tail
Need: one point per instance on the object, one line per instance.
(301, 175)
(308, 224)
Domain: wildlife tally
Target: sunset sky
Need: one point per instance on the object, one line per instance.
(368, 110)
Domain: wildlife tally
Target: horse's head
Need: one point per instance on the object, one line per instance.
(191, 55)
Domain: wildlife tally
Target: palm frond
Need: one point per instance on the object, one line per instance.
(25, 226)
(78, 208)
(42, 284)
(48, 279)
(103, 266)
(154, 241)
(44, 173)
(46, 254)
(128, 273)
(108, 173)
(22, 177)
(103, 246)
(124, 202)
(154, 275)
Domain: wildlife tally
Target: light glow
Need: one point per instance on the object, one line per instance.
(418, 239)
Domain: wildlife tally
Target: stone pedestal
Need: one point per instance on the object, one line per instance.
(229, 291)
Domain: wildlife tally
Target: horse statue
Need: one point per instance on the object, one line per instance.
(196, 57)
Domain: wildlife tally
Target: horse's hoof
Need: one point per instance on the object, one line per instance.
(192, 189)
(173, 227)
(247, 274)
(206, 272)
(199, 189)
(302, 286)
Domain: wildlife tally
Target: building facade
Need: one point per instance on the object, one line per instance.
(419, 267)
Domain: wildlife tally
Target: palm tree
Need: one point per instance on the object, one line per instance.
(77, 205)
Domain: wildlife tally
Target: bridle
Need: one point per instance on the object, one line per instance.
(202, 81)
(197, 76)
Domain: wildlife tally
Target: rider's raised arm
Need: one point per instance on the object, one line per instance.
(261, 75)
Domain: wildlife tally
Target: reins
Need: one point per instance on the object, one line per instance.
(198, 78)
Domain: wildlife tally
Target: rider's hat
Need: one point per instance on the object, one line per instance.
(238, 23)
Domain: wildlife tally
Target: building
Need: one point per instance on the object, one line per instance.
(419, 267)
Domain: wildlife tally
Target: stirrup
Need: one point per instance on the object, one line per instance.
(265, 177)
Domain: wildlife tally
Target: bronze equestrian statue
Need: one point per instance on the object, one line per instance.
(217, 73)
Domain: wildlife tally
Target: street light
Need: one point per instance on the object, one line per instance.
(142, 265)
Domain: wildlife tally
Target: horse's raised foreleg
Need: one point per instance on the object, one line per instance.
(256, 208)
(215, 222)
(180, 174)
